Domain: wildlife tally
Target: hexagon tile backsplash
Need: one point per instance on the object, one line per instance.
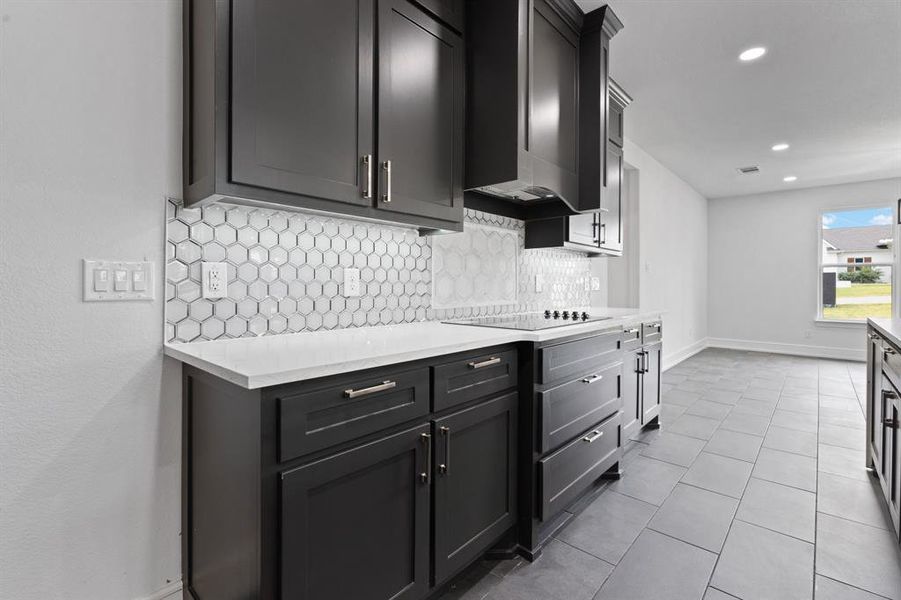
(285, 272)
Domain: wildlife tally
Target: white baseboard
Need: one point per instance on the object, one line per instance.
(793, 349)
(671, 360)
(170, 592)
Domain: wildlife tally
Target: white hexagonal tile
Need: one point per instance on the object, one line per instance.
(248, 272)
(305, 306)
(268, 272)
(306, 241)
(258, 290)
(247, 307)
(176, 271)
(236, 327)
(314, 321)
(258, 325)
(278, 324)
(278, 289)
(213, 252)
(200, 310)
(248, 236)
(258, 254)
(297, 322)
(297, 289)
(225, 308)
(297, 223)
(259, 219)
(287, 239)
(188, 290)
(201, 233)
(176, 310)
(268, 238)
(212, 328)
(287, 306)
(278, 221)
(214, 214)
(225, 234)
(268, 306)
(187, 215)
(237, 289)
(187, 330)
(177, 231)
(287, 272)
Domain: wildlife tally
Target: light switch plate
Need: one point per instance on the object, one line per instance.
(112, 280)
(214, 279)
(352, 287)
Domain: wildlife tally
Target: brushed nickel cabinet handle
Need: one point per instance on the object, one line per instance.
(367, 184)
(444, 467)
(592, 436)
(485, 363)
(888, 350)
(386, 167)
(632, 330)
(426, 475)
(890, 423)
(889, 394)
(385, 385)
(639, 362)
(592, 378)
(603, 233)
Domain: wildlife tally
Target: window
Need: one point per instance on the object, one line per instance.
(857, 253)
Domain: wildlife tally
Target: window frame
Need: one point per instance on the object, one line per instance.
(893, 265)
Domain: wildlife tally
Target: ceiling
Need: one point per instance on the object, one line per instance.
(829, 85)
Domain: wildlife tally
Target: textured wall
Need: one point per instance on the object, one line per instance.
(90, 412)
(286, 272)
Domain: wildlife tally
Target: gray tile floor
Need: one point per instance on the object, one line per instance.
(754, 488)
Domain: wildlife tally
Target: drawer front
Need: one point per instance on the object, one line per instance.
(568, 472)
(348, 408)
(475, 376)
(891, 361)
(632, 337)
(651, 332)
(570, 408)
(581, 356)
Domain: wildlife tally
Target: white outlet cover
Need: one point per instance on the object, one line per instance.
(352, 286)
(214, 279)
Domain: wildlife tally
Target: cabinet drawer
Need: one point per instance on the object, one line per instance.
(891, 362)
(651, 332)
(578, 357)
(568, 409)
(316, 418)
(473, 377)
(632, 337)
(572, 469)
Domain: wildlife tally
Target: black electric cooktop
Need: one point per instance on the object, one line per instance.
(532, 321)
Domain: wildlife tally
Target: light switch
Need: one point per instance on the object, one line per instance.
(120, 280)
(138, 281)
(101, 280)
(117, 280)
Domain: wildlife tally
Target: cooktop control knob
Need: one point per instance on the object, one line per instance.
(547, 314)
(556, 314)
(565, 314)
(575, 315)
(584, 316)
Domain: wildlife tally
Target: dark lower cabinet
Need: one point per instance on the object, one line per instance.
(356, 524)
(475, 481)
(641, 377)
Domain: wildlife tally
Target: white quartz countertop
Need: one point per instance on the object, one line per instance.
(890, 328)
(276, 359)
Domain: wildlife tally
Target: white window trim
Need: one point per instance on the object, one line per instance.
(819, 319)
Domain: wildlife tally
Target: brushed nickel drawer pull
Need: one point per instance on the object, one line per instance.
(444, 467)
(385, 385)
(655, 326)
(367, 186)
(426, 475)
(592, 378)
(386, 167)
(592, 436)
(633, 330)
(890, 423)
(890, 351)
(494, 360)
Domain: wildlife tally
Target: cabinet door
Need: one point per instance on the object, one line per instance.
(449, 11)
(615, 122)
(650, 392)
(420, 114)
(893, 452)
(583, 229)
(612, 218)
(356, 524)
(632, 378)
(302, 95)
(874, 399)
(475, 481)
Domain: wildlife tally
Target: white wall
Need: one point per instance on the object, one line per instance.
(672, 253)
(89, 410)
(763, 272)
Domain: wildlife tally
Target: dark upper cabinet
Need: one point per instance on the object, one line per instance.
(420, 113)
(356, 524)
(617, 102)
(449, 11)
(611, 218)
(522, 136)
(280, 99)
(599, 27)
(285, 135)
(475, 481)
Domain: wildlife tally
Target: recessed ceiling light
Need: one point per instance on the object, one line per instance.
(780, 147)
(789, 179)
(752, 54)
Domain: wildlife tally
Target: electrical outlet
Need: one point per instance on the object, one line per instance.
(214, 279)
(352, 287)
(539, 282)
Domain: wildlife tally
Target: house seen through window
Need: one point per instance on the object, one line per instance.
(856, 258)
